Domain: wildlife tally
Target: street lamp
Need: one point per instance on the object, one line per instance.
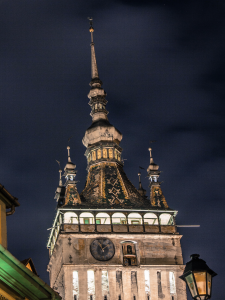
(198, 277)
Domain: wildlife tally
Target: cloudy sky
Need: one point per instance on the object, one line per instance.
(162, 65)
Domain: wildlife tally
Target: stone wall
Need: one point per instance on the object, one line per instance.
(159, 254)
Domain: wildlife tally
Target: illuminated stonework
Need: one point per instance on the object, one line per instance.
(112, 242)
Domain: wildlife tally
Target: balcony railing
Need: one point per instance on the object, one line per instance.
(118, 228)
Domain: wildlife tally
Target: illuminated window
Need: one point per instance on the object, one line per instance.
(93, 154)
(99, 153)
(116, 156)
(110, 153)
(134, 222)
(119, 157)
(96, 106)
(86, 218)
(147, 283)
(105, 285)
(75, 285)
(172, 283)
(91, 284)
(134, 218)
(104, 218)
(89, 157)
(104, 153)
(118, 218)
(150, 219)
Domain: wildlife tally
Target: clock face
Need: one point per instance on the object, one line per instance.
(102, 249)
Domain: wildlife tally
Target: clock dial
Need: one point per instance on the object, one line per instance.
(102, 249)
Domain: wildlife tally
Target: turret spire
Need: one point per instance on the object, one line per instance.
(94, 68)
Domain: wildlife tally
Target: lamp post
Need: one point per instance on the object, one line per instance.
(198, 277)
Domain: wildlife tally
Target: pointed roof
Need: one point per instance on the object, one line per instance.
(157, 198)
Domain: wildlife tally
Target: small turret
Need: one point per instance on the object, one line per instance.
(72, 196)
(70, 170)
(60, 191)
(156, 195)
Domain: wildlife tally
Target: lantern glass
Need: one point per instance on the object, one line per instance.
(191, 284)
(200, 279)
(209, 283)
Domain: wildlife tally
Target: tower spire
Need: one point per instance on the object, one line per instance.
(94, 68)
(97, 93)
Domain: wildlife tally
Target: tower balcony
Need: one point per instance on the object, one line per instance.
(77, 221)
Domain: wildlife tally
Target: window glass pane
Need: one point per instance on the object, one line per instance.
(172, 283)
(191, 285)
(93, 153)
(75, 285)
(110, 153)
(91, 284)
(104, 153)
(200, 278)
(99, 153)
(147, 283)
(209, 282)
(105, 284)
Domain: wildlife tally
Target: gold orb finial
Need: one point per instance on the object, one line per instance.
(91, 29)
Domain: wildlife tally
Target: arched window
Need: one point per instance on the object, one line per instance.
(118, 218)
(102, 218)
(172, 283)
(86, 218)
(110, 153)
(99, 153)
(104, 153)
(134, 218)
(150, 219)
(129, 253)
(70, 217)
(166, 219)
(93, 155)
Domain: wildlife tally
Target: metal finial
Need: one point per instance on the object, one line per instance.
(91, 29)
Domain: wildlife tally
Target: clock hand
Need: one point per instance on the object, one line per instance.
(105, 247)
(100, 245)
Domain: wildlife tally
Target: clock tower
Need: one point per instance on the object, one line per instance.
(111, 242)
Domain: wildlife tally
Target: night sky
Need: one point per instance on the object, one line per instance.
(162, 65)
